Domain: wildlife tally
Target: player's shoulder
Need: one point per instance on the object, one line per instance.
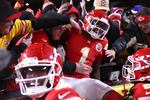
(141, 90)
(141, 85)
(64, 93)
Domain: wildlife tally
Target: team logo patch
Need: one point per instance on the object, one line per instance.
(103, 3)
(98, 47)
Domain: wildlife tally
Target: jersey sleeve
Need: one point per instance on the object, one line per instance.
(19, 27)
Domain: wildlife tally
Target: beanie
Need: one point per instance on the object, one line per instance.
(101, 4)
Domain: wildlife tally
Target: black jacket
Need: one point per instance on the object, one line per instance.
(132, 31)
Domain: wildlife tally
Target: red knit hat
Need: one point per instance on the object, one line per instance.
(73, 10)
(8, 12)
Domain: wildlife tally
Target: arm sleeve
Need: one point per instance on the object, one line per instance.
(121, 43)
(49, 20)
(26, 15)
(69, 67)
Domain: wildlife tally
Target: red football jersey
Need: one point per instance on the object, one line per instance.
(63, 94)
(84, 50)
(141, 90)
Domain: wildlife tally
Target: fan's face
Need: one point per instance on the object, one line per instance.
(57, 32)
(144, 26)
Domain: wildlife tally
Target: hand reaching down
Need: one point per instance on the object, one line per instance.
(83, 68)
(110, 54)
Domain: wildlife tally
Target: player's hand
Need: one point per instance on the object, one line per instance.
(63, 8)
(138, 46)
(83, 68)
(75, 24)
(110, 54)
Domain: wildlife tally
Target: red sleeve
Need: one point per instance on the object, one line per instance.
(38, 14)
(141, 90)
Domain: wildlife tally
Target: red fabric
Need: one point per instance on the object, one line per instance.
(11, 86)
(14, 16)
(73, 10)
(19, 4)
(39, 36)
(141, 90)
(61, 94)
(82, 49)
(142, 18)
(38, 14)
(113, 96)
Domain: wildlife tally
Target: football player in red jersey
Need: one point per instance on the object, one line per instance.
(39, 72)
(137, 70)
(83, 49)
(87, 47)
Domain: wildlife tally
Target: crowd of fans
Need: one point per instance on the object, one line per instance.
(59, 53)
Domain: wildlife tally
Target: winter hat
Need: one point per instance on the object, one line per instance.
(73, 10)
(48, 5)
(117, 10)
(115, 16)
(136, 9)
(101, 4)
(8, 11)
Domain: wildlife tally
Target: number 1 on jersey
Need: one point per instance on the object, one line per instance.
(85, 52)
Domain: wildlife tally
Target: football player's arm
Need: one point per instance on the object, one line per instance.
(68, 67)
(96, 70)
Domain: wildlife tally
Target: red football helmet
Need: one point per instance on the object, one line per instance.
(137, 66)
(96, 24)
(39, 36)
(39, 70)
